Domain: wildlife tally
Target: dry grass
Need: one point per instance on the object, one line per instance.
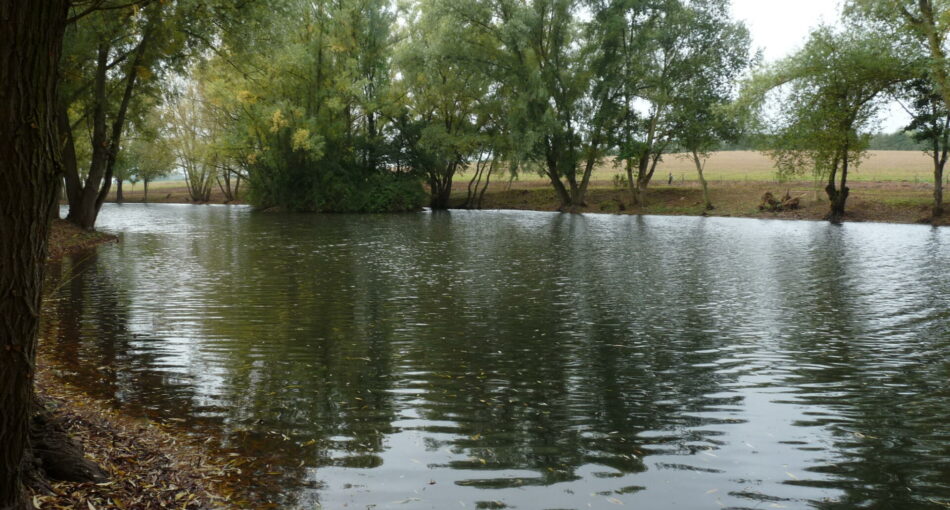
(881, 166)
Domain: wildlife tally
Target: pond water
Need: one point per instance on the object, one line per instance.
(526, 360)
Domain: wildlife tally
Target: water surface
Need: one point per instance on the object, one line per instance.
(527, 360)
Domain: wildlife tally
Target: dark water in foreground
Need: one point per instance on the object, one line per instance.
(528, 360)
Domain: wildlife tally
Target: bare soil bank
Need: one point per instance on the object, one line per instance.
(887, 202)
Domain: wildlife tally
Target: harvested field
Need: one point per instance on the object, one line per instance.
(880, 166)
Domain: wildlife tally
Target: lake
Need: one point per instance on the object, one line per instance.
(523, 359)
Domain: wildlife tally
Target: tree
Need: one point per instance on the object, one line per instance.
(720, 53)
(538, 59)
(122, 171)
(188, 138)
(922, 27)
(647, 37)
(120, 54)
(925, 21)
(31, 45)
(148, 159)
(834, 89)
(440, 110)
(110, 53)
(31, 38)
(661, 66)
(930, 126)
(306, 93)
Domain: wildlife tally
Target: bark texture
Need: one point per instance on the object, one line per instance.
(31, 35)
(838, 195)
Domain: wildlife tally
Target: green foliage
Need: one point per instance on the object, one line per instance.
(336, 190)
(897, 141)
(443, 113)
(831, 91)
(301, 102)
(920, 29)
(718, 53)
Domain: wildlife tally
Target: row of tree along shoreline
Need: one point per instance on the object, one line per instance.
(887, 202)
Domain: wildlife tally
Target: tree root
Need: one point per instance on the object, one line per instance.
(54, 456)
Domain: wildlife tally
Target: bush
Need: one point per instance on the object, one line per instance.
(334, 188)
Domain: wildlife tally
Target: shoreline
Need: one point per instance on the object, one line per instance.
(151, 465)
(881, 202)
(869, 202)
(147, 466)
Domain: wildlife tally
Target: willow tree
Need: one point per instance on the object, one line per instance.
(833, 89)
(31, 37)
(306, 91)
(117, 62)
(186, 122)
(535, 55)
(926, 21)
(646, 37)
(662, 66)
(930, 125)
(147, 158)
(442, 106)
(110, 54)
(719, 53)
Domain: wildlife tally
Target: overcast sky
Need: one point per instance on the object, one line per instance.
(779, 27)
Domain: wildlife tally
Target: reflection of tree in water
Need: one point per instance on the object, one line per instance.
(560, 374)
(882, 393)
(545, 344)
(301, 387)
(87, 335)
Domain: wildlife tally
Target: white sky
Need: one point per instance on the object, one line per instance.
(779, 27)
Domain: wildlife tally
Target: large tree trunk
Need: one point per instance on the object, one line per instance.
(440, 187)
(631, 183)
(31, 37)
(83, 212)
(646, 167)
(562, 194)
(579, 193)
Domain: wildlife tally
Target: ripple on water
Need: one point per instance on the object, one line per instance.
(528, 360)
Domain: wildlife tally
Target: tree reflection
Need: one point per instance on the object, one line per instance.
(531, 351)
